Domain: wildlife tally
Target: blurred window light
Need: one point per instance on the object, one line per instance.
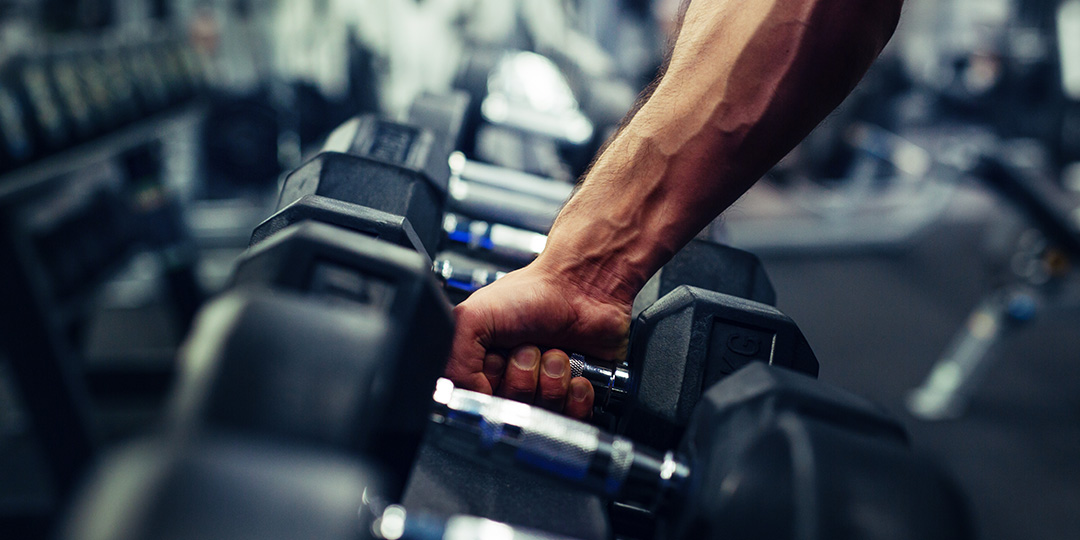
(1070, 177)
(1069, 45)
(532, 79)
(994, 12)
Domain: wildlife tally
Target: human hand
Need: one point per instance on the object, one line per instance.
(503, 329)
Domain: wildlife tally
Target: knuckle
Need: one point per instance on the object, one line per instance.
(464, 315)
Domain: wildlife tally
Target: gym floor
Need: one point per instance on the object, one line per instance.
(879, 320)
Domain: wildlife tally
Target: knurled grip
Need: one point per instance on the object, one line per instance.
(611, 382)
(577, 365)
(501, 426)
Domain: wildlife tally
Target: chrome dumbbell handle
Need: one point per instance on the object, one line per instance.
(466, 280)
(610, 381)
(513, 434)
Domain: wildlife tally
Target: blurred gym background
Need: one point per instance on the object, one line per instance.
(142, 140)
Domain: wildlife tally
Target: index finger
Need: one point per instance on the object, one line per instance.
(468, 352)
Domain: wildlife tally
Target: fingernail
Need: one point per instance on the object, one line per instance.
(578, 392)
(526, 358)
(554, 366)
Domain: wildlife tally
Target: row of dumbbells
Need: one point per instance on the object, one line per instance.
(307, 389)
(382, 178)
(51, 101)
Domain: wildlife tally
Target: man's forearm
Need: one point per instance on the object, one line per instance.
(747, 80)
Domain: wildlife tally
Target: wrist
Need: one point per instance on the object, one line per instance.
(604, 242)
(621, 225)
(606, 279)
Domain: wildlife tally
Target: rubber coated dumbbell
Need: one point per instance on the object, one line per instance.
(299, 370)
(377, 164)
(302, 370)
(739, 414)
(16, 140)
(221, 486)
(392, 173)
(679, 346)
(225, 486)
(769, 454)
(373, 280)
(47, 121)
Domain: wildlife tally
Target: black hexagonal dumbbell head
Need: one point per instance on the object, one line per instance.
(692, 338)
(160, 488)
(444, 114)
(769, 453)
(379, 164)
(336, 263)
(701, 263)
(339, 268)
(776, 454)
(288, 368)
(377, 224)
(710, 266)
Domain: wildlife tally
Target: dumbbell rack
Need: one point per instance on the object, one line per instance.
(44, 365)
(39, 173)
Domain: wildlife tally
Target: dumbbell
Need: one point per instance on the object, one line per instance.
(392, 180)
(16, 142)
(732, 271)
(340, 265)
(120, 85)
(303, 370)
(281, 367)
(285, 368)
(683, 344)
(401, 170)
(64, 75)
(680, 345)
(351, 192)
(351, 271)
(768, 454)
(92, 75)
(46, 120)
(224, 486)
(150, 87)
